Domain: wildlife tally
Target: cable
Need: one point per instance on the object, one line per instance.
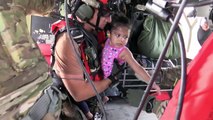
(80, 62)
(183, 74)
(181, 97)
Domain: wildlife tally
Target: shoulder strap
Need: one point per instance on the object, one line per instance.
(63, 29)
(76, 33)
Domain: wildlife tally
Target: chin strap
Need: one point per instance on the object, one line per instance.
(98, 19)
(95, 26)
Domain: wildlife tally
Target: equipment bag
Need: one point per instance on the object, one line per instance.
(54, 104)
(49, 102)
(152, 39)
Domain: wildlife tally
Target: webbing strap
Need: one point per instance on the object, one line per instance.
(54, 44)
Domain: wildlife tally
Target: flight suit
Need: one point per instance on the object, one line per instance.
(23, 70)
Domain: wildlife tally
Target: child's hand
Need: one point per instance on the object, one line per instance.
(156, 87)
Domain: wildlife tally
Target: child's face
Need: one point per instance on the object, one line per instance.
(119, 36)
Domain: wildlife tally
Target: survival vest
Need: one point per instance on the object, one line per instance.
(89, 52)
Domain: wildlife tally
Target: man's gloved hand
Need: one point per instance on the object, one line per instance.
(114, 80)
(115, 73)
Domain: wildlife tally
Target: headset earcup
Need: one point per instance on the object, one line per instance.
(211, 15)
(84, 12)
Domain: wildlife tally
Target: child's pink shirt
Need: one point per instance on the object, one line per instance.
(109, 54)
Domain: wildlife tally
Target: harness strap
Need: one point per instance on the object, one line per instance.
(83, 56)
(63, 29)
(98, 19)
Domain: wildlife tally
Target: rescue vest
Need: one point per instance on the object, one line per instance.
(89, 52)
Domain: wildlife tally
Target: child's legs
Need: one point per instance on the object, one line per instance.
(83, 106)
(104, 97)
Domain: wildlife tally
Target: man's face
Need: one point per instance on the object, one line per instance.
(205, 26)
(103, 20)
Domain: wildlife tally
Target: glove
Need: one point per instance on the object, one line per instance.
(115, 72)
(117, 68)
(114, 81)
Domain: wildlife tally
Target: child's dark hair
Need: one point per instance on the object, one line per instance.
(120, 20)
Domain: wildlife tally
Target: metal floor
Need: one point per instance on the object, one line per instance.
(125, 109)
(121, 110)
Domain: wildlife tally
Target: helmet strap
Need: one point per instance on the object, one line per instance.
(98, 20)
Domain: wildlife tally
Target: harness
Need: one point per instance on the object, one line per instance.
(89, 47)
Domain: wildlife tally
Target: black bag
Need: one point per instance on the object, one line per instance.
(54, 105)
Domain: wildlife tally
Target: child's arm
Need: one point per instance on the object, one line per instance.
(127, 56)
